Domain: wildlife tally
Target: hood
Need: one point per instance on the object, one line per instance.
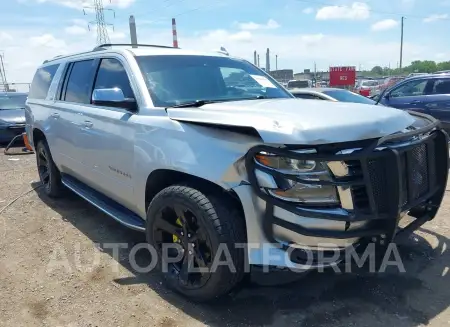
(298, 121)
(12, 116)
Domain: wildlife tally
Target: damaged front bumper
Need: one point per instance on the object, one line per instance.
(378, 182)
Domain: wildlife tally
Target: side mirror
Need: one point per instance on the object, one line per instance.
(113, 97)
(387, 95)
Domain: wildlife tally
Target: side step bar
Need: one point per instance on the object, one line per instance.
(105, 204)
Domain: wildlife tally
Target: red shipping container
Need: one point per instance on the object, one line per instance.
(342, 76)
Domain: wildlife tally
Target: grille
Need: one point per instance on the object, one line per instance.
(417, 165)
(415, 181)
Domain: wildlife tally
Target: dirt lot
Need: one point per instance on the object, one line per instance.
(36, 231)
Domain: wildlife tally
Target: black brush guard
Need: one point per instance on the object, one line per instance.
(392, 180)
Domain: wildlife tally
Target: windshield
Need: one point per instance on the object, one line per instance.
(179, 79)
(9, 101)
(347, 96)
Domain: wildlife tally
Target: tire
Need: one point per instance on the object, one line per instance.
(224, 225)
(48, 172)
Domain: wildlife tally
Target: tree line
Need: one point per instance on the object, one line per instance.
(417, 66)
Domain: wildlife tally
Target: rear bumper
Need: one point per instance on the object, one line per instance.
(399, 174)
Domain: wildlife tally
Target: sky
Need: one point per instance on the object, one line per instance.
(302, 33)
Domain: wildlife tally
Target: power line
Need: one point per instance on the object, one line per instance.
(101, 24)
(370, 10)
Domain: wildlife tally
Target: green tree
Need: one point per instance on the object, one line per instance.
(377, 70)
(445, 65)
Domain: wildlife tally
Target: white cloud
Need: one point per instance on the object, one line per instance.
(433, 18)
(116, 35)
(223, 36)
(243, 36)
(75, 30)
(120, 3)
(312, 39)
(5, 36)
(271, 24)
(308, 10)
(47, 40)
(357, 11)
(384, 25)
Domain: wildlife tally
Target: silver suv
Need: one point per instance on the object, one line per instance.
(213, 159)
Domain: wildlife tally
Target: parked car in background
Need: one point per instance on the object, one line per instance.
(12, 115)
(301, 83)
(331, 94)
(429, 94)
(367, 87)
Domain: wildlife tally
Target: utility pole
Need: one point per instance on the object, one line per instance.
(3, 82)
(258, 62)
(101, 24)
(401, 44)
(276, 62)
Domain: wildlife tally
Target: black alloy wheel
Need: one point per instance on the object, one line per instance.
(48, 172)
(176, 224)
(43, 166)
(197, 227)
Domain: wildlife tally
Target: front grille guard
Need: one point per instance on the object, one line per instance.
(386, 223)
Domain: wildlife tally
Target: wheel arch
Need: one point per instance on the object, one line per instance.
(37, 135)
(162, 178)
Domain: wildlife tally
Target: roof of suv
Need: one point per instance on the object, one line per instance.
(143, 50)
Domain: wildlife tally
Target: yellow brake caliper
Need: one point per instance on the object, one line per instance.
(174, 237)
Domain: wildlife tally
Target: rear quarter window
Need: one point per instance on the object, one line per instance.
(42, 81)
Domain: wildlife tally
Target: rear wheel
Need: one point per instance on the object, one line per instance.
(200, 231)
(48, 172)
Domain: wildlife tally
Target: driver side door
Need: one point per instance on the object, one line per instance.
(108, 135)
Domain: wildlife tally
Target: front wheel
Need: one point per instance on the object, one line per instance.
(199, 240)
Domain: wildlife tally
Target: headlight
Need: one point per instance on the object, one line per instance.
(289, 190)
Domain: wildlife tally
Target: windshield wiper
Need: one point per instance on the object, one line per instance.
(199, 103)
(195, 104)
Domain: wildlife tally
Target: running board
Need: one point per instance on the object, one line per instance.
(118, 212)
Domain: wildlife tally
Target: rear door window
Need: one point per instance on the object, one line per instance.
(42, 81)
(441, 86)
(80, 82)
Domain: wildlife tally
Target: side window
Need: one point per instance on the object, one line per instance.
(41, 82)
(441, 86)
(79, 83)
(412, 88)
(112, 74)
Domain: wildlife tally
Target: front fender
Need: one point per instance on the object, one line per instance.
(212, 154)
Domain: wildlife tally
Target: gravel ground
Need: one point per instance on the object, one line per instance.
(55, 270)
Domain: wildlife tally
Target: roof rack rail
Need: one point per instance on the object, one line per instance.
(103, 46)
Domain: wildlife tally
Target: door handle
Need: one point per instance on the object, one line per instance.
(416, 101)
(88, 124)
(55, 115)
